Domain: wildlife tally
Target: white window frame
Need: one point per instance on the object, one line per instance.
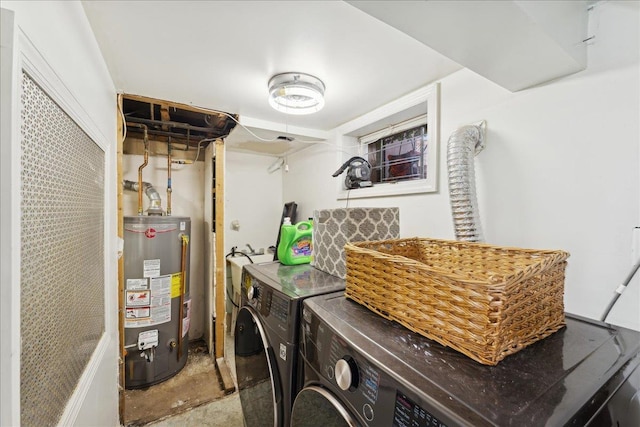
(353, 137)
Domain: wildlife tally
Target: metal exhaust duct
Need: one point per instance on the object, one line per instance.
(155, 202)
(462, 147)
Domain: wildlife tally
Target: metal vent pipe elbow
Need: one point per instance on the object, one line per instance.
(462, 147)
(155, 202)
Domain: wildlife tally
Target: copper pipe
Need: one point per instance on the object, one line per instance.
(143, 165)
(175, 137)
(185, 243)
(170, 124)
(169, 190)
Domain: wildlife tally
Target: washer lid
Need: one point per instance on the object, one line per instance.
(296, 281)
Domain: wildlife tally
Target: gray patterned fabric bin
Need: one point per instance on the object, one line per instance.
(333, 228)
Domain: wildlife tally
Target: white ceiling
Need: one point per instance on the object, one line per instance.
(221, 54)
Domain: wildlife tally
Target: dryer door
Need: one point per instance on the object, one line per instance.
(315, 403)
(256, 369)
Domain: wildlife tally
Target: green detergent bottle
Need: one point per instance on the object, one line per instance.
(295, 243)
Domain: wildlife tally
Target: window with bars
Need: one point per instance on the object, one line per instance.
(400, 142)
(400, 156)
(398, 153)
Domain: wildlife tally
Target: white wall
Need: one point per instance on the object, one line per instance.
(187, 183)
(560, 171)
(9, 214)
(56, 40)
(253, 197)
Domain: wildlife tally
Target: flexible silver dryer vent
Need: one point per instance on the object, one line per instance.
(462, 146)
(155, 202)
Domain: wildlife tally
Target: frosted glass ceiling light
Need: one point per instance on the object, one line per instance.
(296, 93)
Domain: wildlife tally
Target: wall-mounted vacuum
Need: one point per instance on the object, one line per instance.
(358, 173)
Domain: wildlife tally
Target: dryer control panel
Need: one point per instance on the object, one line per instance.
(407, 413)
(272, 306)
(276, 291)
(363, 386)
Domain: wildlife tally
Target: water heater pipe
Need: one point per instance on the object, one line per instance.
(155, 203)
(185, 244)
(169, 190)
(145, 163)
(463, 145)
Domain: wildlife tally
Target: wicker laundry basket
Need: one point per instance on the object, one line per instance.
(484, 301)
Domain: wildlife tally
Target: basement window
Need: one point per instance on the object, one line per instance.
(399, 156)
(400, 141)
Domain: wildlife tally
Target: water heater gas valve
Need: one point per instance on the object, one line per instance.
(147, 339)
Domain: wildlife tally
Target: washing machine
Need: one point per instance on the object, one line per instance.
(267, 334)
(363, 370)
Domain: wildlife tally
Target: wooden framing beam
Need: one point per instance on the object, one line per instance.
(220, 261)
(168, 104)
(159, 148)
(219, 250)
(121, 302)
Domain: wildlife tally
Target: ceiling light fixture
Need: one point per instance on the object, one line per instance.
(296, 93)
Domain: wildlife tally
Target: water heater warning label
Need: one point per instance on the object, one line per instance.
(138, 313)
(186, 320)
(151, 267)
(137, 284)
(138, 298)
(151, 306)
(176, 285)
(161, 299)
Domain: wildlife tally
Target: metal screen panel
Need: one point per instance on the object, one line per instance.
(62, 255)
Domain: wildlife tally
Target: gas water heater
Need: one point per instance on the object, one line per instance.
(157, 305)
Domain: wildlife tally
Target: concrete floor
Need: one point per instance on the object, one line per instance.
(224, 412)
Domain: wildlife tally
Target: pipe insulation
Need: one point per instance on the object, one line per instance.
(155, 202)
(463, 145)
